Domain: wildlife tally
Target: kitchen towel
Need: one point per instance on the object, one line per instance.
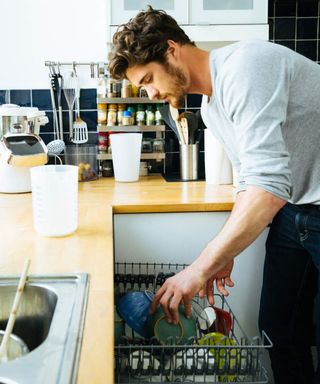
(218, 168)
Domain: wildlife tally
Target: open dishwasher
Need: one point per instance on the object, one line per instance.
(233, 359)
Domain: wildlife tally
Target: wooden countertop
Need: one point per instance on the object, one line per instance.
(90, 248)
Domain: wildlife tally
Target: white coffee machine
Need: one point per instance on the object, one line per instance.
(20, 146)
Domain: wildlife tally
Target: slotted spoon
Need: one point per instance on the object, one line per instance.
(80, 129)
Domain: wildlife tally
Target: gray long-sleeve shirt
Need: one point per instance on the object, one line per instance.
(265, 110)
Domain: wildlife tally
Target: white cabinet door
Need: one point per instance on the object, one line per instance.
(123, 10)
(228, 11)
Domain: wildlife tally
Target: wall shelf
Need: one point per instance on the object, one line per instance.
(131, 128)
(127, 100)
(144, 156)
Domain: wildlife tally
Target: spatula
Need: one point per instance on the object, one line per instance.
(13, 313)
(80, 129)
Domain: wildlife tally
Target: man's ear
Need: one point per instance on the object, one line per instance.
(173, 49)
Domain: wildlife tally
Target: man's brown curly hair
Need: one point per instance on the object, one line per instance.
(144, 39)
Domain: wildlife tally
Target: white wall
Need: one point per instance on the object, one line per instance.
(33, 31)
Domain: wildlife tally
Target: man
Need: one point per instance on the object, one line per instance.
(262, 101)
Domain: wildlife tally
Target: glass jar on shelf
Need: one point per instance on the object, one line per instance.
(102, 113)
(140, 115)
(158, 145)
(112, 115)
(146, 145)
(135, 91)
(111, 87)
(150, 116)
(158, 116)
(126, 118)
(143, 92)
(102, 142)
(132, 109)
(121, 109)
(126, 88)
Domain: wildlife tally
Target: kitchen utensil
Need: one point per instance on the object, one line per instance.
(13, 313)
(185, 129)
(189, 155)
(59, 86)
(57, 145)
(134, 308)
(55, 199)
(192, 124)
(80, 129)
(175, 116)
(69, 90)
(166, 115)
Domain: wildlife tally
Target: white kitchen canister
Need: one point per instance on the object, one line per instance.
(126, 155)
(55, 199)
(218, 168)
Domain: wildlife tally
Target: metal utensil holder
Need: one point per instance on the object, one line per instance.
(139, 360)
(189, 154)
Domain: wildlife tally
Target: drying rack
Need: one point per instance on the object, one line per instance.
(139, 360)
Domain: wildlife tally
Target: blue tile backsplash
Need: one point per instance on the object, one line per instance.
(294, 24)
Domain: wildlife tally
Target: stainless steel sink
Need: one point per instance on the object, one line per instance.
(50, 321)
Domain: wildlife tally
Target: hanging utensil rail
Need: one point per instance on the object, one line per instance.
(94, 66)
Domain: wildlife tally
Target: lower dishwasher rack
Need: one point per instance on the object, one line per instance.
(141, 360)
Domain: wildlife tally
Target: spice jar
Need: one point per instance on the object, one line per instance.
(135, 90)
(121, 108)
(126, 89)
(102, 113)
(111, 87)
(102, 142)
(146, 145)
(112, 115)
(140, 116)
(158, 145)
(126, 118)
(158, 116)
(150, 119)
(132, 109)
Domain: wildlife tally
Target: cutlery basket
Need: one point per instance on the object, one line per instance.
(139, 360)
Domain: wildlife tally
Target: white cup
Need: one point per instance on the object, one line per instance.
(55, 199)
(126, 154)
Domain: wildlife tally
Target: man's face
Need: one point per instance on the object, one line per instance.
(161, 81)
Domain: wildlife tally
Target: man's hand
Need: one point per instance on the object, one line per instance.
(222, 278)
(179, 288)
(182, 287)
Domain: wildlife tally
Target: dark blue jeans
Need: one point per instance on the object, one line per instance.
(288, 306)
